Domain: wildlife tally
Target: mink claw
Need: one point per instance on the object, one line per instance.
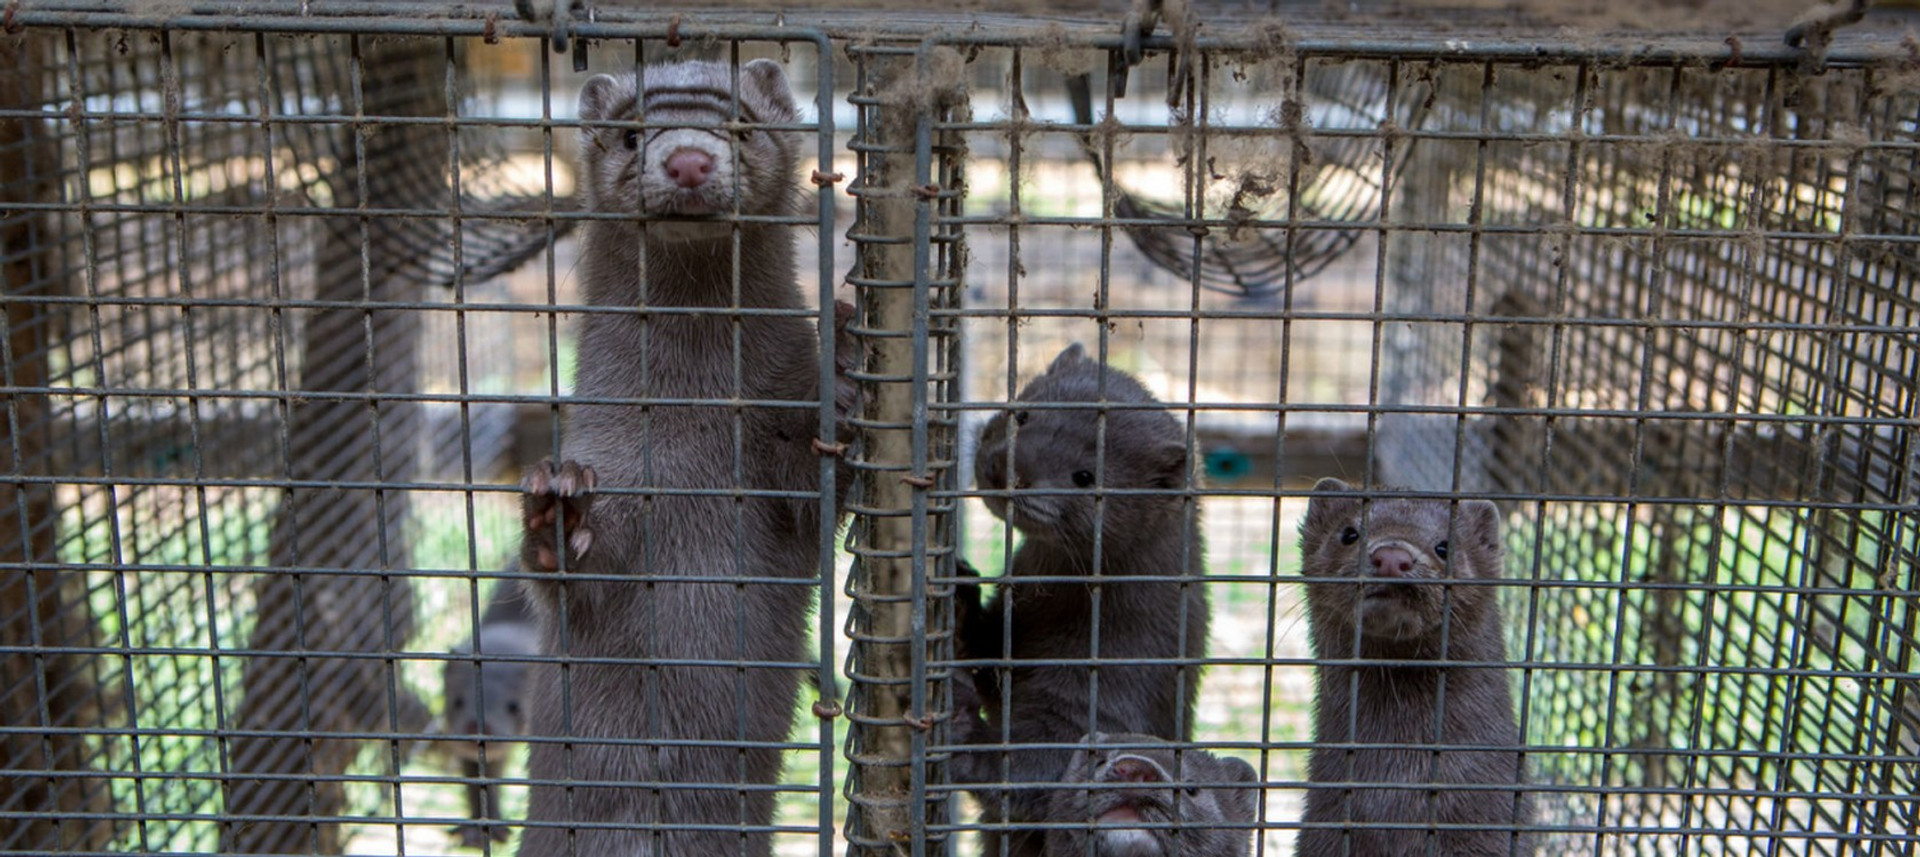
(557, 495)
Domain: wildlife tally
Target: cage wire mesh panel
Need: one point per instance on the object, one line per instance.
(215, 371)
(1675, 331)
(1244, 154)
(288, 310)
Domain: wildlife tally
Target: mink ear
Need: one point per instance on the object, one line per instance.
(1073, 354)
(1322, 508)
(1237, 771)
(1169, 460)
(1238, 804)
(597, 99)
(768, 80)
(1479, 520)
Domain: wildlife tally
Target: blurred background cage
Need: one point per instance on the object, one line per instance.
(285, 317)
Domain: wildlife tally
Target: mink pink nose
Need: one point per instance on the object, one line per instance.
(689, 167)
(1392, 562)
(1132, 771)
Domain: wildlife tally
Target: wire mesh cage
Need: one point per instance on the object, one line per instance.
(295, 297)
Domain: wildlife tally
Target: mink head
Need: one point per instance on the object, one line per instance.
(488, 701)
(1052, 457)
(704, 154)
(1152, 801)
(1369, 563)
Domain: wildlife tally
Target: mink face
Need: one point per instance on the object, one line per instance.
(704, 152)
(1376, 592)
(1057, 454)
(489, 701)
(1374, 566)
(1070, 438)
(1156, 803)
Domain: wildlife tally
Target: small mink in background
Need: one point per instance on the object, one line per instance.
(488, 703)
(1053, 460)
(1374, 594)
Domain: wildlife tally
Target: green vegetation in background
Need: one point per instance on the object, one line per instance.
(1743, 646)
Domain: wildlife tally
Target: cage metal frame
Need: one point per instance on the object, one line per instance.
(926, 562)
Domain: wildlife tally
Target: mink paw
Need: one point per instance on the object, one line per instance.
(554, 500)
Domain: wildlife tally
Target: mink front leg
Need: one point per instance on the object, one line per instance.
(483, 805)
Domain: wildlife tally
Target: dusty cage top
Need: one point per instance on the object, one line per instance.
(1638, 29)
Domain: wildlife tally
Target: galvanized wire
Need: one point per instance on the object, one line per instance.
(1657, 302)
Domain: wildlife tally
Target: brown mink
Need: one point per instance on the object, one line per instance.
(687, 591)
(1373, 596)
(486, 702)
(1189, 803)
(1146, 626)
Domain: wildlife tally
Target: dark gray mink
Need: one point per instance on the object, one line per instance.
(653, 570)
(1058, 458)
(487, 703)
(1188, 803)
(1374, 595)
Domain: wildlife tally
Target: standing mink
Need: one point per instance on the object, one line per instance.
(1375, 597)
(1145, 626)
(1189, 803)
(486, 703)
(656, 648)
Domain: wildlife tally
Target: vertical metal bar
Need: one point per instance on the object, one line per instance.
(827, 709)
(901, 98)
(40, 604)
(1293, 109)
(1570, 200)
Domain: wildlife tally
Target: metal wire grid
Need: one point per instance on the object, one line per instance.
(1692, 375)
(1665, 781)
(100, 299)
(226, 258)
(1225, 366)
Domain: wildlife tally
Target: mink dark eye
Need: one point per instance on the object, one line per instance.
(632, 139)
(1193, 791)
(1020, 417)
(1440, 550)
(1349, 535)
(1083, 478)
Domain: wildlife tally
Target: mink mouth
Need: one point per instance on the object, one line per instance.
(1131, 807)
(692, 205)
(1386, 592)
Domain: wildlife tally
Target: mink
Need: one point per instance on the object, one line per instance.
(1387, 633)
(1159, 801)
(486, 703)
(1147, 627)
(666, 591)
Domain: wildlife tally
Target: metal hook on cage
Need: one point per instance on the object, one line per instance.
(1139, 24)
(1134, 29)
(1812, 31)
(557, 14)
(1814, 27)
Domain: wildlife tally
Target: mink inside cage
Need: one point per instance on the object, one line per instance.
(292, 300)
